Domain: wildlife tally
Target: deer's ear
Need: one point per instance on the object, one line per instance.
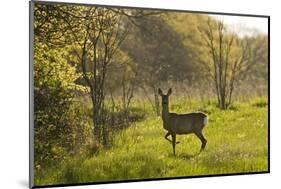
(160, 92)
(169, 91)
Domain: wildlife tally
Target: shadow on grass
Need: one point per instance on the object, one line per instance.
(186, 156)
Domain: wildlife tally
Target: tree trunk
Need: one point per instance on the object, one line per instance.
(156, 101)
(96, 128)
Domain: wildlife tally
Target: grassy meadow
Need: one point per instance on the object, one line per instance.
(237, 143)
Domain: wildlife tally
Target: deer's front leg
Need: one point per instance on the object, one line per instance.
(166, 137)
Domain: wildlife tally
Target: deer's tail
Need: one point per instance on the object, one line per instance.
(205, 120)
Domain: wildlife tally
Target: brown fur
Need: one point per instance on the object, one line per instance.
(179, 124)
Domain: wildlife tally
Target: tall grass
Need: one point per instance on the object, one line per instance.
(237, 142)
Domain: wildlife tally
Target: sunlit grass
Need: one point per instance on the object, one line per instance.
(237, 142)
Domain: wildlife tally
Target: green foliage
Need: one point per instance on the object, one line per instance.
(51, 70)
(58, 120)
(259, 102)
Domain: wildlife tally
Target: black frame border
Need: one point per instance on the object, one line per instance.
(31, 96)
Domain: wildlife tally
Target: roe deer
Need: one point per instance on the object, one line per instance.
(182, 123)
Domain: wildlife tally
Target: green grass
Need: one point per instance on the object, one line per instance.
(237, 142)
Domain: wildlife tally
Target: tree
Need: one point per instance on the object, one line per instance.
(159, 54)
(121, 86)
(101, 33)
(92, 36)
(231, 59)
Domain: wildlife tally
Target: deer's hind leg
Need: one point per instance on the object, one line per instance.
(202, 138)
(174, 143)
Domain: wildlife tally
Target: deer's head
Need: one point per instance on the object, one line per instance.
(165, 98)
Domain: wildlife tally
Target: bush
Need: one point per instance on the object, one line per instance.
(61, 126)
(260, 102)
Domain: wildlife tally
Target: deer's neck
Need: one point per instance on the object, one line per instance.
(165, 114)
